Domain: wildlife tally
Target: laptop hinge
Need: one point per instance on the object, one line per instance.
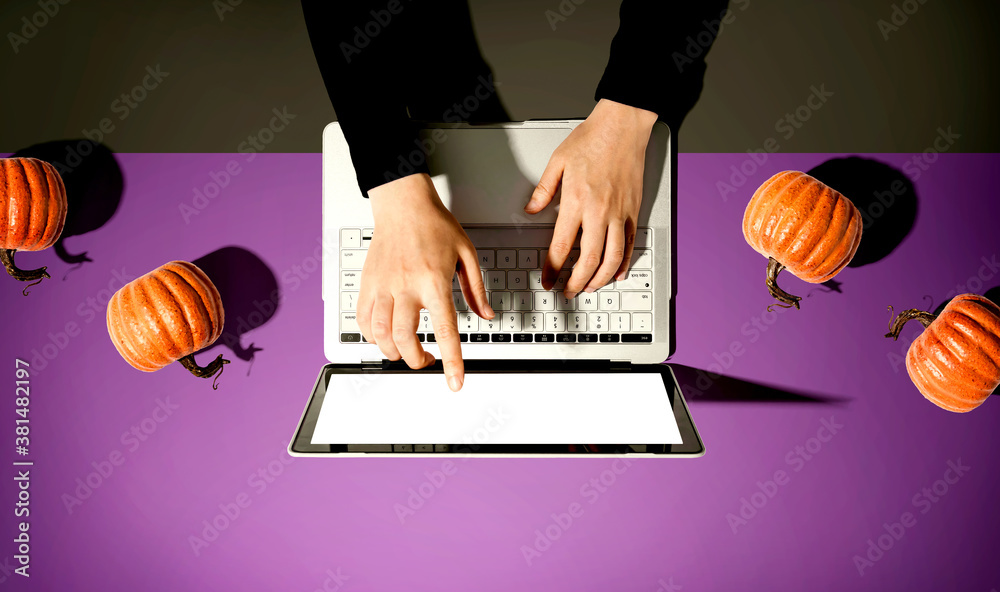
(373, 364)
(621, 365)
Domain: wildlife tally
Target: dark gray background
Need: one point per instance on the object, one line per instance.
(938, 70)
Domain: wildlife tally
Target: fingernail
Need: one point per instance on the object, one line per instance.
(589, 290)
(455, 383)
(570, 295)
(622, 275)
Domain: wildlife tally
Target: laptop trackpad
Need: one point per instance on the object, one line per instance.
(497, 408)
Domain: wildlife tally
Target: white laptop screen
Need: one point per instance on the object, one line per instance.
(497, 408)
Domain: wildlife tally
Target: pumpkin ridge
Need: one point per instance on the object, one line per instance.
(794, 221)
(752, 220)
(925, 386)
(57, 193)
(958, 389)
(819, 257)
(4, 212)
(14, 208)
(936, 380)
(972, 333)
(169, 311)
(781, 219)
(210, 299)
(770, 213)
(949, 336)
(819, 235)
(838, 258)
(984, 312)
(183, 306)
(151, 326)
(124, 308)
(37, 221)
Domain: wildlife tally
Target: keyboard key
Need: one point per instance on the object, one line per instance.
(563, 303)
(350, 238)
(577, 322)
(517, 280)
(585, 301)
(598, 321)
(574, 256)
(367, 234)
(586, 338)
(566, 338)
(535, 280)
(638, 279)
(544, 338)
(350, 337)
(642, 321)
(349, 323)
(609, 338)
(460, 304)
(555, 321)
(496, 280)
(489, 325)
(485, 259)
(561, 280)
(637, 338)
(637, 301)
(468, 322)
(608, 300)
(642, 259)
(643, 238)
(441, 448)
(522, 338)
(420, 337)
(544, 300)
(402, 447)
(506, 259)
(511, 322)
(500, 301)
(522, 301)
(479, 338)
(532, 322)
(527, 259)
(501, 338)
(463, 337)
(425, 322)
(423, 448)
(353, 258)
(620, 322)
(350, 280)
(455, 285)
(348, 301)
(430, 338)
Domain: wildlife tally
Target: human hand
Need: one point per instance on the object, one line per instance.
(414, 252)
(600, 167)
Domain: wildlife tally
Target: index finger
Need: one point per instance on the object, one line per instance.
(445, 321)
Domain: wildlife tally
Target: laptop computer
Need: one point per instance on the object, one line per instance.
(547, 375)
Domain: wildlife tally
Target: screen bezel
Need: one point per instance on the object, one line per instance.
(691, 445)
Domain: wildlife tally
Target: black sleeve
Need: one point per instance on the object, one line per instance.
(657, 58)
(360, 47)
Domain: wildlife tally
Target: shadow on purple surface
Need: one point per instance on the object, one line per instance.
(884, 195)
(249, 292)
(94, 186)
(700, 385)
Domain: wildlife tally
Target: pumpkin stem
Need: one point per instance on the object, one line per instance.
(896, 326)
(213, 369)
(773, 269)
(24, 275)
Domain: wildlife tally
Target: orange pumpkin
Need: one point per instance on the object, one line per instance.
(803, 225)
(955, 362)
(165, 316)
(33, 214)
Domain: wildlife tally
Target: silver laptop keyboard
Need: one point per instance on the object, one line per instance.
(620, 312)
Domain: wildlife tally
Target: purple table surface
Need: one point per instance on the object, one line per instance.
(206, 498)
